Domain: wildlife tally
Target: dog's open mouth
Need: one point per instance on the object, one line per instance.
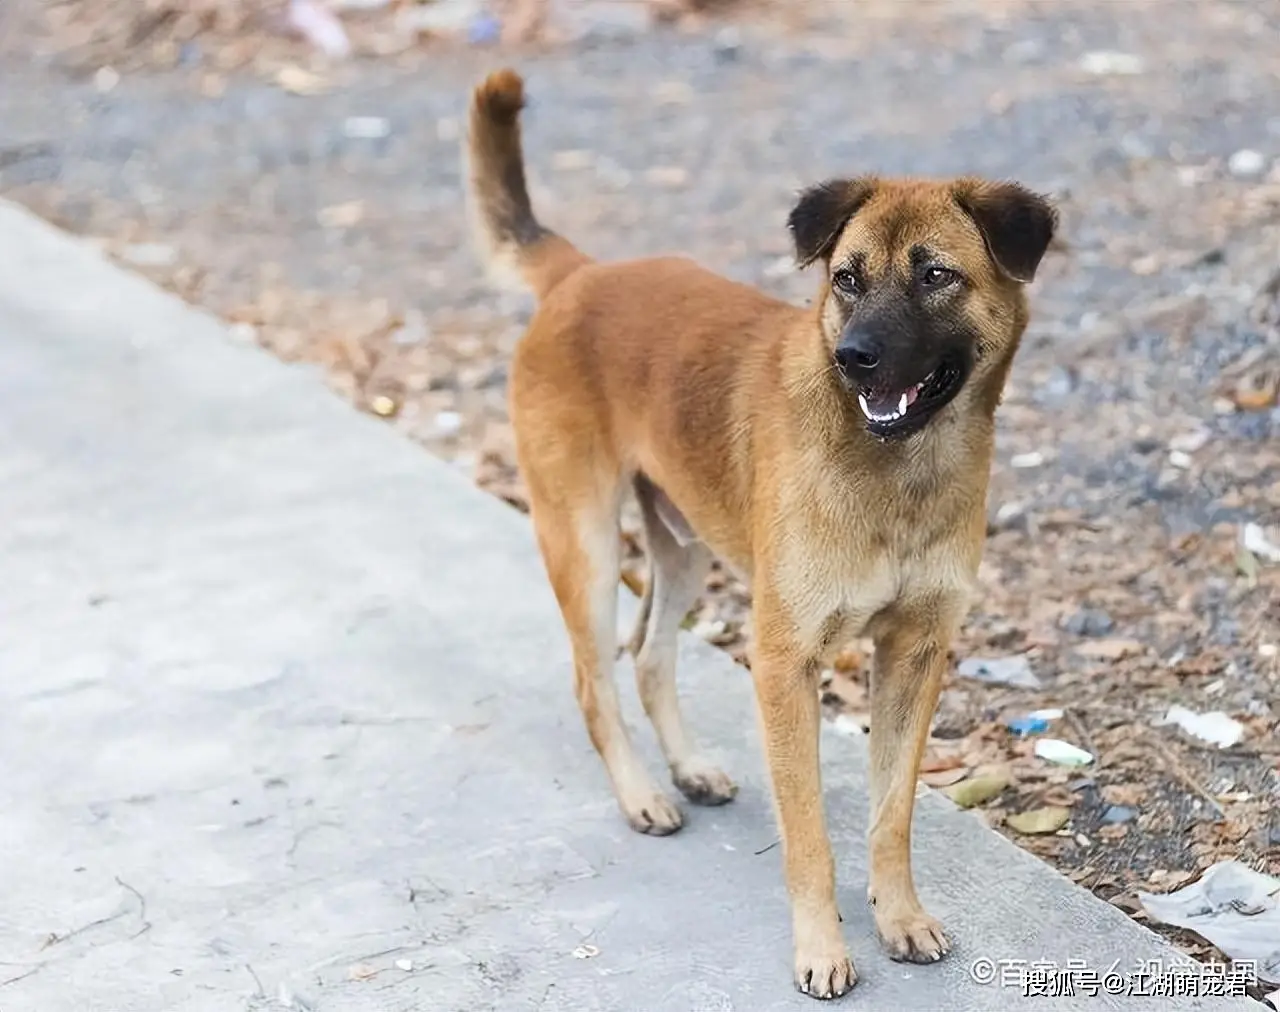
(892, 413)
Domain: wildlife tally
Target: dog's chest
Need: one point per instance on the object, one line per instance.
(835, 591)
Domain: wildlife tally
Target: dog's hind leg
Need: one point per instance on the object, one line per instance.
(676, 575)
(579, 540)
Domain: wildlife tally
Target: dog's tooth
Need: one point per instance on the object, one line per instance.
(902, 404)
(866, 408)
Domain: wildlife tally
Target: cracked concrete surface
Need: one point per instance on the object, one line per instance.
(259, 756)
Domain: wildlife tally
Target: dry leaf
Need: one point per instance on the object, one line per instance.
(1039, 821)
(297, 81)
(968, 793)
(944, 778)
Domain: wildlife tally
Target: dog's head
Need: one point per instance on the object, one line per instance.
(923, 294)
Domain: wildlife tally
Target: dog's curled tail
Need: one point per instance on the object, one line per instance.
(510, 237)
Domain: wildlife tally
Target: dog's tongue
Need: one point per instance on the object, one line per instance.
(887, 405)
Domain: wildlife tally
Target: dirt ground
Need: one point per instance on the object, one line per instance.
(317, 205)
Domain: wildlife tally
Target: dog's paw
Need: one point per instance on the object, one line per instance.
(653, 814)
(912, 937)
(704, 784)
(826, 975)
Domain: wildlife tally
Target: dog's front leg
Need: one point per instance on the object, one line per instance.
(910, 657)
(786, 682)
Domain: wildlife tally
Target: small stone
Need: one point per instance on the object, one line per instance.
(106, 79)
(1117, 814)
(727, 45)
(1180, 460)
(1246, 163)
(1190, 442)
(383, 406)
(1089, 622)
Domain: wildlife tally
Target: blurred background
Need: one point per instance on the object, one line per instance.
(293, 167)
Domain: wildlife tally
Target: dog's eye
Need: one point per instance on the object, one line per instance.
(938, 277)
(845, 281)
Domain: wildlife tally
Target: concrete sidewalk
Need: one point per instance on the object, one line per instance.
(289, 724)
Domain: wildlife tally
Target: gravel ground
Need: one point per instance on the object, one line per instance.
(1140, 434)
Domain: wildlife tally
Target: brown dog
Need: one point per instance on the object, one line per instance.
(835, 457)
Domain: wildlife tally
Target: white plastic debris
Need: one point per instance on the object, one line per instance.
(1254, 539)
(404, 964)
(1106, 62)
(846, 724)
(1063, 753)
(1216, 728)
(1026, 460)
(1246, 162)
(585, 952)
(448, 422)
(1049, 714)
(1015, 670)
(319, 26)
(1232, 906)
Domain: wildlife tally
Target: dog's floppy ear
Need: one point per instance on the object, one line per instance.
(1016, 224)
(821, 214)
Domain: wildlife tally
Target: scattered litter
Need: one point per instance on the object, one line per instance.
(1027, 460)
(366, 128)
(1039, 821)
(1255, 540)
(404, 964)
(1009, 512)
(1023, 726)
(585, 952)
(1107, 62)
(448, 422)
(1052, 713)
(968, 793)
(1062, 752)
(846, 724)
(319, 26)
(1216, 728)
(1232, 906)
(1015, 670)
(1118, 814)
(1109, 650)
(1246, 162)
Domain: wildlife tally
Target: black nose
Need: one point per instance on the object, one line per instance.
(857, 354)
